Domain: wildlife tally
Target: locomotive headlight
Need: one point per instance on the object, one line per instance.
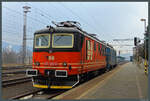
(64, 64)
(37, 63)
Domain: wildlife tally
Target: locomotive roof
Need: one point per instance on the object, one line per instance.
(70, 30)
(57, 30)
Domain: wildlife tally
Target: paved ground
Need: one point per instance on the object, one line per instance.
(127, 81)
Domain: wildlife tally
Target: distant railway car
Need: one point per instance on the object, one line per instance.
(131, 58)
(64, 55)
(111, 58)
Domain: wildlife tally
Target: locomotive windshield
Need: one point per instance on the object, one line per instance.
(62, 41)
(42, 41)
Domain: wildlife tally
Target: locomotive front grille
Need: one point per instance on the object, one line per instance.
(40, 80)
(50, 73)
(60, 73)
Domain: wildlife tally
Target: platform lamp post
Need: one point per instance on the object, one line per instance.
(119, 52)
(144, 24)
(145, 55)
(148, 38)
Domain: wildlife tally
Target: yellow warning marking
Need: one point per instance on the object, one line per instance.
(138, 86)
(61, 87)
(40, 86)
(54, 87)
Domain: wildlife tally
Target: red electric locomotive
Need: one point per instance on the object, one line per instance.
(64, 55)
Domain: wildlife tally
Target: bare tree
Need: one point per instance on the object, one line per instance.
(9, 56)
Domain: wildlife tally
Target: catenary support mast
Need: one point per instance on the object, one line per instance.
(26, 10)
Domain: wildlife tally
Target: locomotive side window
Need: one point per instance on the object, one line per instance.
(94, 46)
(103, 50)
(91, 51)
(42, 41)
(99, 49)
(86, 49)
(62, 40)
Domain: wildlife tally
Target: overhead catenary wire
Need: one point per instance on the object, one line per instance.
(48, 16)
(16, 35)
(60, 12)
(36, 10)
(44, 14)
(15, 24)
(17, 12)
(93, 20)
(10, 29)
(67, 8)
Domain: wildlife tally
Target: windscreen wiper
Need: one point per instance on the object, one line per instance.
(59, 38)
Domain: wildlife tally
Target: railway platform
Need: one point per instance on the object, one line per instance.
(127, 81)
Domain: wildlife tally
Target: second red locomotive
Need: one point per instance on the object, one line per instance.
(64, 55)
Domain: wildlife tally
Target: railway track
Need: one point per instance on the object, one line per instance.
(34, 94)
(16, 67)
(48, 94)
(15, 70)
(6, 83)
(25, 95)
(123, 62)
(39, 94)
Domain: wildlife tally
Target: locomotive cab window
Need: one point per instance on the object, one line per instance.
(62, 41)
(42, 41)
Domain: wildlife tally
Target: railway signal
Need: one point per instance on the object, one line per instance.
(136, 41)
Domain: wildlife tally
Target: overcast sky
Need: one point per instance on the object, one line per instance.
(109, 20)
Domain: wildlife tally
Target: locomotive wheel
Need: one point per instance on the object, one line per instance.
(107, 70)
(112, 67)
(87, 76)
(104, 70)
(101, 71)
(81, 78)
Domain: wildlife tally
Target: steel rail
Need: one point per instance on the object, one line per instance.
(6, 83)
(16, 67)
(25, 94)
